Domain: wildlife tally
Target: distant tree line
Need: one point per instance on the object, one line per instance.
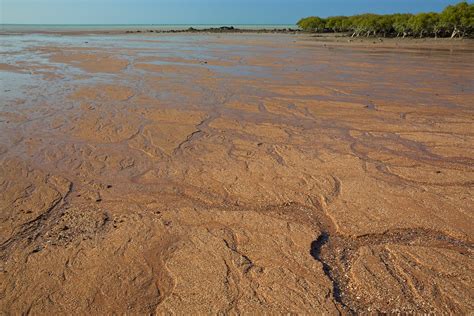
(455, 21)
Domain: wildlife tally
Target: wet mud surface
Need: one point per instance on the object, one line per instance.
(234, 174)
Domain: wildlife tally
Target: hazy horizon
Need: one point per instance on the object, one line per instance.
(204, 12)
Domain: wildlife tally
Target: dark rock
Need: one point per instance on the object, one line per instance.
(37, 249)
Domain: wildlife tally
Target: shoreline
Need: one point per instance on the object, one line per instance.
(149, 29)
(340, 40)
(225, 29)
(325, 39)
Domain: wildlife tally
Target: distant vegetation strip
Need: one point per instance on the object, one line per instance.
(454, 21)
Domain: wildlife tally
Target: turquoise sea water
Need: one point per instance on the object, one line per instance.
(32, 28)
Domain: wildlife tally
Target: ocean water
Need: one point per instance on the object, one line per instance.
(52, 28)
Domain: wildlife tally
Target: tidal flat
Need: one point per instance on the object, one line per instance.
(235, 173)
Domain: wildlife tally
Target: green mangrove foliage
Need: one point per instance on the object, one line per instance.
(455, 21)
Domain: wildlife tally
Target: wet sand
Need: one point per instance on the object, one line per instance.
(235, 173)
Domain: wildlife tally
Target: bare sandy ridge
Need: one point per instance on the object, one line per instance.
(246, 174)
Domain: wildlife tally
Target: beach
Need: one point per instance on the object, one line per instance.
(235, 173)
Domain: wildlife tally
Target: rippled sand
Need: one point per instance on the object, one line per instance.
(234, 174)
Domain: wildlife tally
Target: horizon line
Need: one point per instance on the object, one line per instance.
(54, 24)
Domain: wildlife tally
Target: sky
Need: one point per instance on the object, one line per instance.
(197, 11)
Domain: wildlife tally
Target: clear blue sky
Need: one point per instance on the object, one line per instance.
(197, 11)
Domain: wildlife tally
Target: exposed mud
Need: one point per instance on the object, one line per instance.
(235, 174)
